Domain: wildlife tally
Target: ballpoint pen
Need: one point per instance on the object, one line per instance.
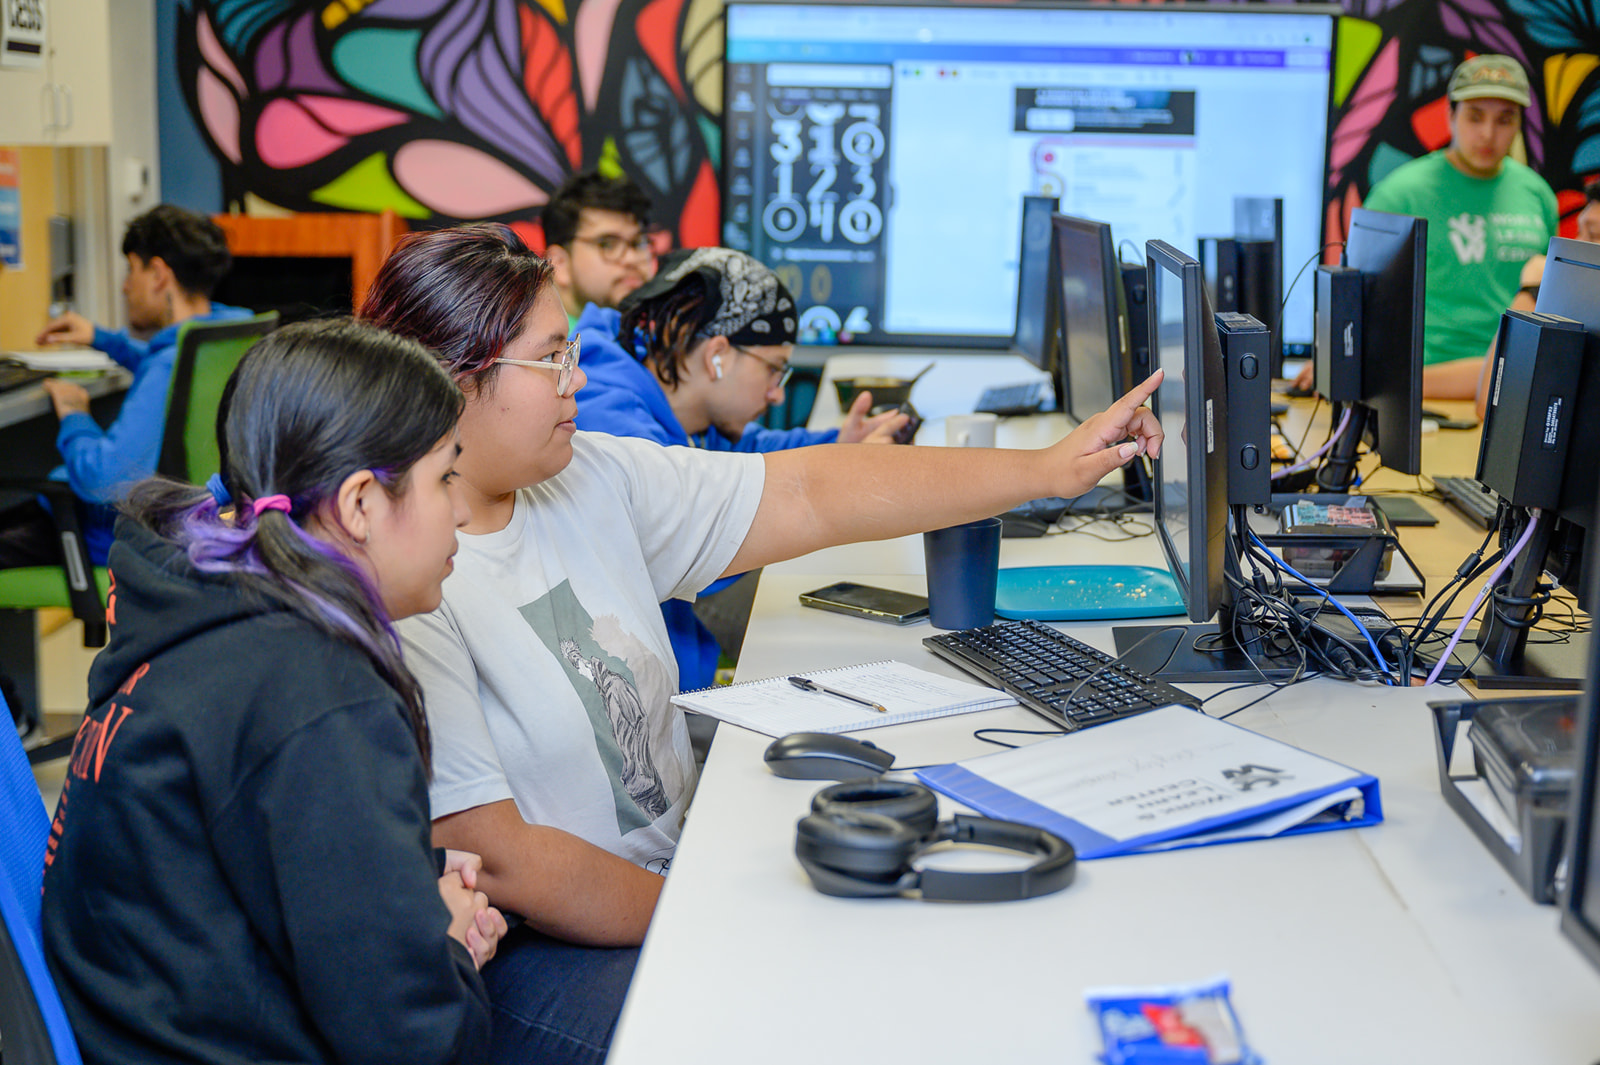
(806, 684)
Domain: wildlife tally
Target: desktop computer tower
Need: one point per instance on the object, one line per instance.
(1528, 423)
(1336, 347)
(1219, 256)
(1247, 363)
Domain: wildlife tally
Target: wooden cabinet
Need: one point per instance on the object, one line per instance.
(364, 239)
(68, 99)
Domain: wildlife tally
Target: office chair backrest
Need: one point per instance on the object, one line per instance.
(207, 354)
(34, 1024)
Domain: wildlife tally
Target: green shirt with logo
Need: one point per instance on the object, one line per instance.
(1480, 232)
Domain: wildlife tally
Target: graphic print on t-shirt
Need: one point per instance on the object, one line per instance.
(1469, 237)
(617, 679)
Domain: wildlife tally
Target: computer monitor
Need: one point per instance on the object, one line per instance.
(1244, 272)
(1580, 902)
(1391, 253)
(1034, 337)
(1094, 316)
(1571, 288)
(1193, 521)
(1192, 473)
(1565, 546)
(875, 154)
(1258, 229)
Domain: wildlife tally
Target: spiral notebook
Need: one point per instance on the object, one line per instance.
(776, 707)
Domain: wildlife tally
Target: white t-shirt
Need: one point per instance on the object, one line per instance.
(547, 669)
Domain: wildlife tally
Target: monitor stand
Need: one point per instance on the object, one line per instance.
(1543, 666)
(1510, 659)
(1172, 656)
(1338, 471)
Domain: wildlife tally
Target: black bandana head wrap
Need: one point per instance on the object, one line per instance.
(745, 301)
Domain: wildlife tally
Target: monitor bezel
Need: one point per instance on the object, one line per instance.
(1204, 586)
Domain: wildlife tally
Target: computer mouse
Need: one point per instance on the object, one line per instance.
(825, 756)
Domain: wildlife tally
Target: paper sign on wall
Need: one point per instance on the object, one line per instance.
(22, 33)
(10, 209)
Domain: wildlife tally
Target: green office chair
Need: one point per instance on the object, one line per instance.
(207, 353)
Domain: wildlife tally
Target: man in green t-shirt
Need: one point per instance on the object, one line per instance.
(1487, 214)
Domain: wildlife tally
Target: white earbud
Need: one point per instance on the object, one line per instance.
(716, 367)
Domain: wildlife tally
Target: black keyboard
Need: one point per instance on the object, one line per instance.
(14, 375)
(1006, 400)
(1471, 497)
(1042, 666)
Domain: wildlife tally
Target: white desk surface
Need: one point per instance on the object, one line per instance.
(32, 401)
(1405, 942)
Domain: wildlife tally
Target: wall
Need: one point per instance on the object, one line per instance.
(445, 110)
(449, 110)
(25, 293)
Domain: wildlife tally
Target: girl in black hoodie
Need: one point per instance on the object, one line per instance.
(240, 867)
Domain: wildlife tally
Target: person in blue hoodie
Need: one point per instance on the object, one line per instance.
(691, 358)
(697, 353)
(175, 260)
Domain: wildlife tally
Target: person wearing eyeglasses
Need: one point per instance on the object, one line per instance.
(699, 352)
(547, 669)
(594, 231)
(692, 357)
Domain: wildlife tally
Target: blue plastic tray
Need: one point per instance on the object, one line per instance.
(1086, 593)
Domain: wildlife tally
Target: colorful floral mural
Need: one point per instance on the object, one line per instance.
(1395, 59)
(459, 110)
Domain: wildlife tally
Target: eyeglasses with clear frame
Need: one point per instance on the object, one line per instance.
(780, 374)
(565, 364)
(613, 248)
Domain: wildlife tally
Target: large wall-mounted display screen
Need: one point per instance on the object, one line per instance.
(877, 156)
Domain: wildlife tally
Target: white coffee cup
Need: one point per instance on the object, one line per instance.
(970, 430)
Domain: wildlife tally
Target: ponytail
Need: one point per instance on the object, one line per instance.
(309, 405)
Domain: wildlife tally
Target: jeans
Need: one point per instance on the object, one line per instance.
(554, 1003)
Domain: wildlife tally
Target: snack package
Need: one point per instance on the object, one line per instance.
(1178, 1024)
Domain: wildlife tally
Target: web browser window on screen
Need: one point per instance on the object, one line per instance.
(877, 156)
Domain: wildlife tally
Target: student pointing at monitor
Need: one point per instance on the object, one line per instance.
(547, 668)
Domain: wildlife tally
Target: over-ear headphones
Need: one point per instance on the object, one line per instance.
(863, 838)
(716, 367)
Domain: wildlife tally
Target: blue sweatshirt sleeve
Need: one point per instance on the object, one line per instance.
(101, 463)
(757, 438)
(620, 412)
(123, 349)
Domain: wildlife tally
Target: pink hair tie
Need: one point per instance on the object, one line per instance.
(278, 502)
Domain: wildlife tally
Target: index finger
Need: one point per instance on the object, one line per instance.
(1141, 392)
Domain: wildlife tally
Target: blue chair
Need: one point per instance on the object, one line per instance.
(35, 1025)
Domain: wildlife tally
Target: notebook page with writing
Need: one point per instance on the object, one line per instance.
(776, 708)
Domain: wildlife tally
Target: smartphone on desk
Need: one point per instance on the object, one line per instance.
(865, 601)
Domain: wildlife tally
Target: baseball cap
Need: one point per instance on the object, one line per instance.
(1496, 77)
